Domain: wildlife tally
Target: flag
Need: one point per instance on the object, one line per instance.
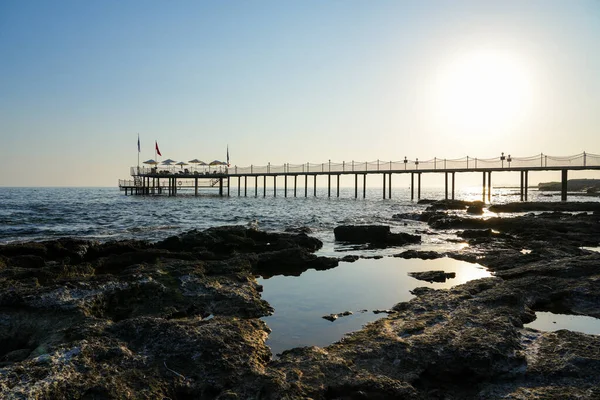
(157, 150)
(139, 143)
(228, 156)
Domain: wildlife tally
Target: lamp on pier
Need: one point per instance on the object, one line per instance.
(405, 162)
(417, 163)
(502, 158)
(509, 159)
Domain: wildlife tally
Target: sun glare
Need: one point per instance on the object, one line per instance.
(484, 90)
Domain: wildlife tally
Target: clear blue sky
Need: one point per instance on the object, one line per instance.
(290, 81)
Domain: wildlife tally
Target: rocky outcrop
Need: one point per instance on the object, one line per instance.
(433, 276)
(180, 319)
(375, 235)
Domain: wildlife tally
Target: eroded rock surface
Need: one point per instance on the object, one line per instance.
(180, 319)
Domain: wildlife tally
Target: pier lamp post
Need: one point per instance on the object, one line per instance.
(502, 158)
(417, 163)
(329, 165)
(509, 159)
(405, 162)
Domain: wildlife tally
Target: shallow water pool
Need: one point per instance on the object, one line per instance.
(547, 321)
(361, 287)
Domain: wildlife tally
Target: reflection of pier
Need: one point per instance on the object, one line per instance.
(170, 181)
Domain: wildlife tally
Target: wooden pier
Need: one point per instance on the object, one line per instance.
(156, 180)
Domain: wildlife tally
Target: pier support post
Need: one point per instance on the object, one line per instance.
(315, 186)
(295, 184)
(453, 185)
(239, 186)
(384, 185)
(195, 186)
(390, 185)
(221, 187)
(489, 186)
(522, 179)
(264, 186)
(365, 186)
(328, 185)
(446, 185)
(483, 188)
(356, 186)
(419, 186)
(526, 183)
(285, 186)
(338, 186)
(256, 186)
(563, 190)
(305, 185)
(412, 186)
(245, 186)
(275, 186)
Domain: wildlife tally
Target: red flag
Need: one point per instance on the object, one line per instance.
(157, 150)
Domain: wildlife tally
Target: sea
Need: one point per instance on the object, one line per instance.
(364, 288)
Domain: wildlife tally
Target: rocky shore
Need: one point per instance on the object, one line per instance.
(180, 319)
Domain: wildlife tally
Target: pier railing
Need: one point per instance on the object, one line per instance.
(466, 163)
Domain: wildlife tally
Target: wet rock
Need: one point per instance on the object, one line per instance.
(449, 204)
(476, 233)
(377, 235)
(300, 229)
(423, 255)
(291, 262)
(546, 206)
(333, 317)
(383, 311)
(475, 208)
(420, 291)
(433, 276)
(349, 258)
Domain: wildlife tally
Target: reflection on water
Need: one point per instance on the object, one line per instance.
(547, 321)
(596, 249)
(300, 302)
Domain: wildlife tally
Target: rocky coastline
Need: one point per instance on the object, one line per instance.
(180, 318)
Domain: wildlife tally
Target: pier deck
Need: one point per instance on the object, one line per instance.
(157, 180)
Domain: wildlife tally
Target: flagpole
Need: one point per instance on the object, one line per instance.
(138, 152)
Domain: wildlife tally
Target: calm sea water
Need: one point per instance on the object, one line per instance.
(106, 214)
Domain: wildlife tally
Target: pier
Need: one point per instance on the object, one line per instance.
(170, 180)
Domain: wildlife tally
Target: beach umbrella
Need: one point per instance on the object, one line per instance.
(217, 162)
(150, 162)
(197, 162)
(181, 164)
(168, 161)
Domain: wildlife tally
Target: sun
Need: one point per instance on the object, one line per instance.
(483, 90)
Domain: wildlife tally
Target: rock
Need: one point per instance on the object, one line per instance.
(475, 208)
(423, 255)
(420, 291)
(433, 276)
(546, 206)
(333, 317)
(349, 258)
(377, 235)
(476, 233)
(383, 311)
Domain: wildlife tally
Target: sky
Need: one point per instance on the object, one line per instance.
(290, 82)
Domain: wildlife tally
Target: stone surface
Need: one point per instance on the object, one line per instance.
(376, 235)
(433, 276)
(180, 319)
